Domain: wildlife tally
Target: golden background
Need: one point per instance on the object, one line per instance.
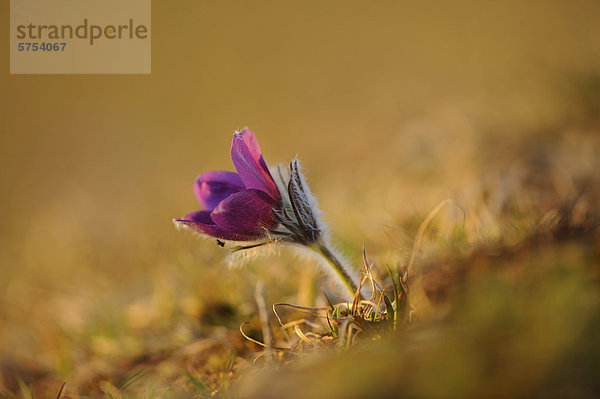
(392, 106)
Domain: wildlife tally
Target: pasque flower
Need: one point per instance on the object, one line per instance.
(237, 206)
(259, 206)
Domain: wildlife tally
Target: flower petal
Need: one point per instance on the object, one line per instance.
(250, 165)
(213, 187)
(247, 212)
(202, 223)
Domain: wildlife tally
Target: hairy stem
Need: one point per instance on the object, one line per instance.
(337, 266)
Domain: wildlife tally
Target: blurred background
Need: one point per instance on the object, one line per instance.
(392, 107)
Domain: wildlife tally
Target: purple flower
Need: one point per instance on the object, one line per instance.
(238, 206)
(251, 205)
